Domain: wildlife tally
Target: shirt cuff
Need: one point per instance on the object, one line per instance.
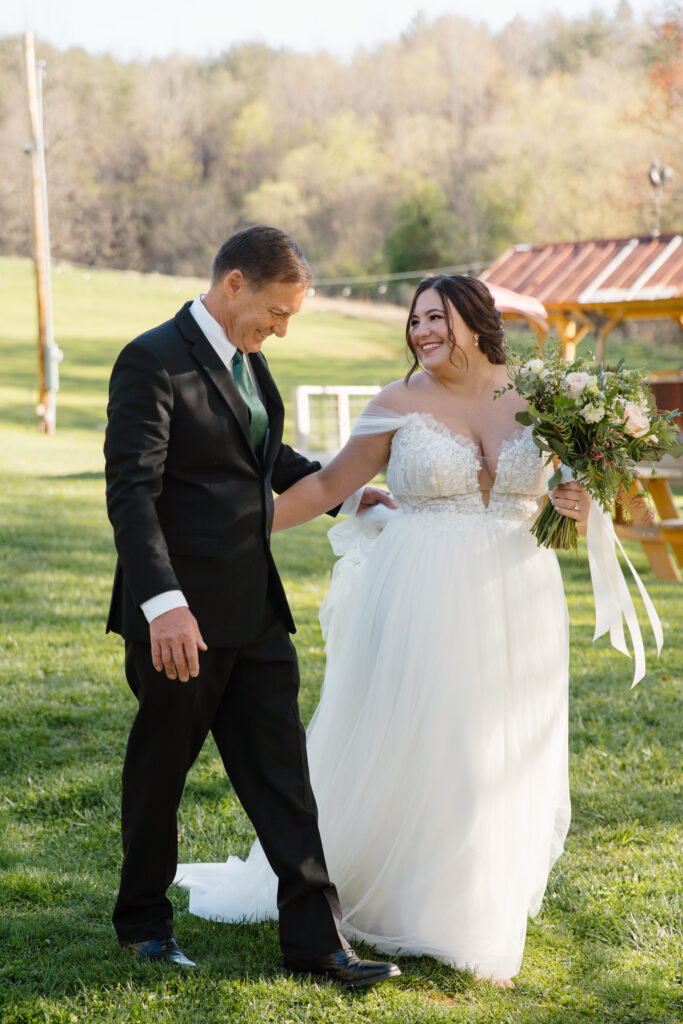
(165, 602)
(349, 506)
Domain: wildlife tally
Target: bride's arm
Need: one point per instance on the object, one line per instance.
(358, 462)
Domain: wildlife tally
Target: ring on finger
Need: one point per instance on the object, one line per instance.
(576, 506)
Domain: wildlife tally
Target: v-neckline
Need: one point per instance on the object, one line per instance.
(468, 442)
(470, 445)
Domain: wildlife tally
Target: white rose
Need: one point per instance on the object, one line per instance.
(574, 383)
(593, 413)
(636, 422)
(534, 365)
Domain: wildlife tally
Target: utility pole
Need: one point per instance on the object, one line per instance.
(659, 178)
(49, 353)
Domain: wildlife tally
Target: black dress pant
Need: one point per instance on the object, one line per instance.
(247, 697)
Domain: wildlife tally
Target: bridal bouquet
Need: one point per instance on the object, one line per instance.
(598, 422)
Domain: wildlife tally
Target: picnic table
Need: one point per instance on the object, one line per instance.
(662, 538)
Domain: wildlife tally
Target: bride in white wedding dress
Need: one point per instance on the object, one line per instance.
(438, 752)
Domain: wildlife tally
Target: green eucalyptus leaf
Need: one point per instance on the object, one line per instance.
(555, 479)
(540, 443)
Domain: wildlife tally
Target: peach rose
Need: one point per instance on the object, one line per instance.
(636, 422)
(574, 383)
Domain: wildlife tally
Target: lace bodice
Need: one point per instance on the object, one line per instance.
(433, 468)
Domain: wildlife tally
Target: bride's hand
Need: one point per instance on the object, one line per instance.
(571, 500)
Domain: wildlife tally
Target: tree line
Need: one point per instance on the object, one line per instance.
(438, 148)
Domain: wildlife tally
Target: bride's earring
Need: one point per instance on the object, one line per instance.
(476, 340)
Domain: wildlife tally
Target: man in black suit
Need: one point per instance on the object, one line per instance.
(193, 453)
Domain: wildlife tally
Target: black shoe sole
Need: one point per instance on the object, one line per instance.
(306, 972)
(147, 959)
(165, 960)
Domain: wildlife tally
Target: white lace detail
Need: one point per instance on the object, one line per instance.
(432, 468)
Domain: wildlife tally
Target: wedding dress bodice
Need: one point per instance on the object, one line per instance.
(431, 468)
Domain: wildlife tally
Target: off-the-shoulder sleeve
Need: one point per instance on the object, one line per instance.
(377, 419)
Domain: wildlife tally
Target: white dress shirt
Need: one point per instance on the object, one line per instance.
(225, 350)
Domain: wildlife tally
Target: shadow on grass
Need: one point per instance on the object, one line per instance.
(69, 417)
(68, 950)
(87, 954)
(19, 415)
(88, 475)
(243, 962)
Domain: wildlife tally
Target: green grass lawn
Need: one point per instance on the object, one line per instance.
(606, 946)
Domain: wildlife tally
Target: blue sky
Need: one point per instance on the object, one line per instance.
(132, 29)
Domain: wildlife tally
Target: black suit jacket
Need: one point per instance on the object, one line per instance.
(190, 502)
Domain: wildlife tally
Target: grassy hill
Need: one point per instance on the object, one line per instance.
(606, 946)
(97, 312)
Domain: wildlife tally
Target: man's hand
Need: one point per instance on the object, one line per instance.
(374, 496)
(176, 640)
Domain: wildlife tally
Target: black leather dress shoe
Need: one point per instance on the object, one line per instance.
(346, 968)
(160, 951)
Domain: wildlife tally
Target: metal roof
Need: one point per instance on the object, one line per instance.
(606, 272)
(512, 304)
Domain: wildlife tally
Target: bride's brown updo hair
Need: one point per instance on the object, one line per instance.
(474, 303)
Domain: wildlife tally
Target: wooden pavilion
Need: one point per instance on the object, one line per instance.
(590, 287)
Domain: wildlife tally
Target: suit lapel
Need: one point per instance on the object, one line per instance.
(207, 357)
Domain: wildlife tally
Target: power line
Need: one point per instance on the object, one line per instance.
(464, 268)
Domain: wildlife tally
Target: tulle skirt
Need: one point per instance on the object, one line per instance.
(438, 752)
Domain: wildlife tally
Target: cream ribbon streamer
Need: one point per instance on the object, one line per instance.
(613, 602)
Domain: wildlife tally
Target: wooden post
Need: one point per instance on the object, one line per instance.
(601, 338)
(48, 352)
(569, 333)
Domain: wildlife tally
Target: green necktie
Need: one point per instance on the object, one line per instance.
(258, 417)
